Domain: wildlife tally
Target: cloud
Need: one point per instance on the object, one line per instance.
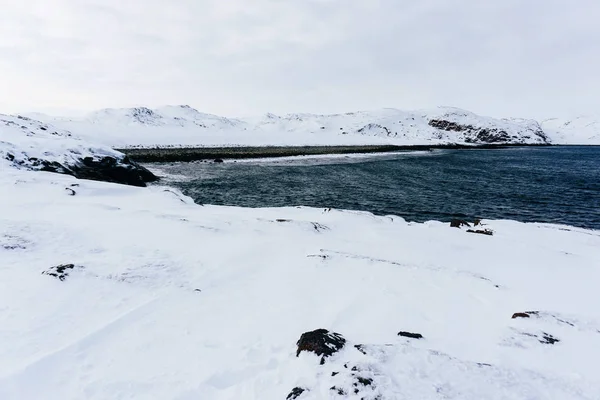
(238, 57)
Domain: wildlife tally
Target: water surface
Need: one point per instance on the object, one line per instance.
(547, 184)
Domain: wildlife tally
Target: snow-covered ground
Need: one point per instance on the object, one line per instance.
(580, 130)
(172, 300)
(119, 292)
(183, 125)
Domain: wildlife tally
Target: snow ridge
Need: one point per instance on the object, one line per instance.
(184, 125)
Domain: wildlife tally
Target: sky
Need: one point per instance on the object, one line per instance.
(534, 58)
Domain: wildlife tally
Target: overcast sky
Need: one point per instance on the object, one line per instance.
(530, 58)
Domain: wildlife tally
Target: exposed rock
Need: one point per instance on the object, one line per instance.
(548, 339)
(295, 393)
(477, 222)
(338, 390)
(487, 232)
(321, 342)
(457, 223)
(218, 160)
(60, 271)
(410, 335)
(525, 314)
(109, 169)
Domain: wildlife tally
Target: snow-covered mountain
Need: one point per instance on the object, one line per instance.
(580, 130)
(183, 125)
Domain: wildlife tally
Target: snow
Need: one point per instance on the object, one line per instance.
(26, 140)
(167, 299)
(580, 130)
(183, 125)
(129, 322)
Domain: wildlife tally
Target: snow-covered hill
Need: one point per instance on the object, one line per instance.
(580, 130)
(183, 125)
(117, 292)
(30, 144)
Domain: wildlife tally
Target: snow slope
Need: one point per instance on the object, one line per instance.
(580, 130)
(31, 144)
(183, 125)
(172, 300)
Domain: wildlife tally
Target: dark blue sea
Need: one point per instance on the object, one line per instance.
(538, 184)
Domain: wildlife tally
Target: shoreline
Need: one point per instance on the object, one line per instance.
(183, 154)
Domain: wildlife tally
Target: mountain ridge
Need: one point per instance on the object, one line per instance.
(184, 125)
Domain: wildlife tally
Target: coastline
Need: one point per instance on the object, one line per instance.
(177, 154)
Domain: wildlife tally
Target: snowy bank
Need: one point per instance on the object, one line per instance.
(31, 144)
(165, 299)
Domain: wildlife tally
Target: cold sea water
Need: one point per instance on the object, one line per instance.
(534, 184)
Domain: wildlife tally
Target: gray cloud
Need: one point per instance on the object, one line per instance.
(536, 59)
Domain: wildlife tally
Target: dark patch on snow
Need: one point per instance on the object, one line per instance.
(548, 339)
(60, 271)
(338, 390)
(410, 335)
(218, 160)
(9, 242)
(525, 314)
(295, 393)
(319, 227)
(71, 192)
(457, 223)
(487, 232)
(321, 342)
(360, 348)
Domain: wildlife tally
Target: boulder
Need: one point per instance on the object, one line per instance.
(410, 335)
(321, 342)
(457, 223)
(525, 314)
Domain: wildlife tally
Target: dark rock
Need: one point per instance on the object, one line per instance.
(410, 335)
(334, 373)
(107, 169)
(71, 191)
(525, 314)
(295, 393)
(363, 381)
(477, 222)
(339, 391)
(457, 223)
(474, 134)
(361, 348)
(487, 232)
(218, 160)
(321, 342)
(60, 271)
(548, 339)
